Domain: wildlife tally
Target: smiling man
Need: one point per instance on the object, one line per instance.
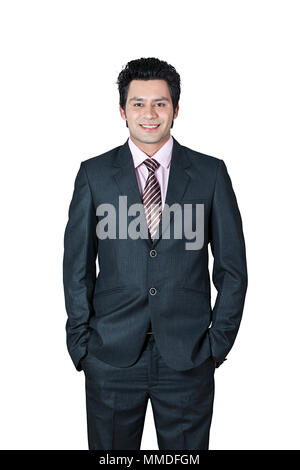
(144, 328)
(149, 114)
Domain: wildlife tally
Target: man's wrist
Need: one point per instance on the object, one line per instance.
(215, 361)
(81, 359)
(218, 362)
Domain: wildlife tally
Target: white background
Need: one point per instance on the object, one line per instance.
(239, 66)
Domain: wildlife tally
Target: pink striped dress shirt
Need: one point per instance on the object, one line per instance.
(163, 156)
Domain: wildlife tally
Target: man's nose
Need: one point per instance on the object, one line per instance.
(150, 113)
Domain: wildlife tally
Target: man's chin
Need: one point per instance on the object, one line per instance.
(149, 139)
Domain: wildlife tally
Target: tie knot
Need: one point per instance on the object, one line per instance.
(151, 164)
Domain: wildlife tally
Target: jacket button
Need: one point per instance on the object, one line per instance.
(152, 290)
(153, 253)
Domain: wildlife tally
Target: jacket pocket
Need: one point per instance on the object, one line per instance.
(110, 290)
(199, 290)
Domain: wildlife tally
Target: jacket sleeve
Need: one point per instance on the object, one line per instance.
(229, 268)
(79, 267)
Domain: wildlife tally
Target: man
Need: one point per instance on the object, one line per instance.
(143, 328)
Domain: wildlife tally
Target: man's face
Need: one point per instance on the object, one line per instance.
(149, 102)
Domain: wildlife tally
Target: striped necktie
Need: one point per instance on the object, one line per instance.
(152, 197)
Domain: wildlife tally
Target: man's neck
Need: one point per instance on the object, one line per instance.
(150, 149)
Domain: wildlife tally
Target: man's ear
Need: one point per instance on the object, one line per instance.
(122, 112)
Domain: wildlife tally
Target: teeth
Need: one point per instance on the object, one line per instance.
(150, 127)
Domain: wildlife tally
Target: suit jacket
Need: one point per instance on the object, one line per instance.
(142, 281)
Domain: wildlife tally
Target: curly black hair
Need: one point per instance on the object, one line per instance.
(149, 68)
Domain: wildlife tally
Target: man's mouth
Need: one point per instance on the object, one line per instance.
(149, 127)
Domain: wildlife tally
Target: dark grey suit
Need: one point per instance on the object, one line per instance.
(161, 282)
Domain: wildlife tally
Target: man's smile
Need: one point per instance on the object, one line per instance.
(148, 127)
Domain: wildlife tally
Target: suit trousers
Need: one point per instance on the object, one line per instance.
(117, 398)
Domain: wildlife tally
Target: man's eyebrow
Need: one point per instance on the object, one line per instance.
(162, 98)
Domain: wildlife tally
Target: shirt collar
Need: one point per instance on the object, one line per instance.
(163, 155)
